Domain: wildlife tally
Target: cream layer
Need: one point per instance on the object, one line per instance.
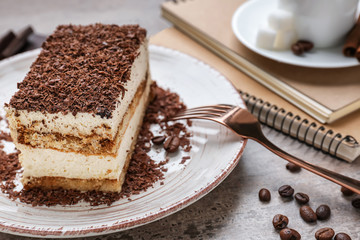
(39, 162)
(83, 124)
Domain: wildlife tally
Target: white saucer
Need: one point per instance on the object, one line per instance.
(252, 14)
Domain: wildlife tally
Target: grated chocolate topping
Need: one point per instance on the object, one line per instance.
(80, 69)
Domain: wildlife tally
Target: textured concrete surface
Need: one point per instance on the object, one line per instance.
(232, 210)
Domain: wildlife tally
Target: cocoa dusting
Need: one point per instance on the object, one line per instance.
(142, 173)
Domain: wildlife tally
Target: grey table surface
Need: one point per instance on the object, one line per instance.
(232, 210)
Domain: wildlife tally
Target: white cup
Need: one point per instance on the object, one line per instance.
(323, 22)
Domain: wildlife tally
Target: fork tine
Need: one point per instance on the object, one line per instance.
(203, 110)
(214, 107)
(193, 116)
(221, 108)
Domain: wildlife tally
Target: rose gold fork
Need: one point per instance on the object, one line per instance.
(246, 125)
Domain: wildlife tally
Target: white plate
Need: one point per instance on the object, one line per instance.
(252, 14)
(215, 152)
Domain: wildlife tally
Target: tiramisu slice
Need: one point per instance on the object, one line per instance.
(77, 113)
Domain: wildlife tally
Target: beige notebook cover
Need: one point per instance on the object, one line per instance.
(327, 141)
(323, 93)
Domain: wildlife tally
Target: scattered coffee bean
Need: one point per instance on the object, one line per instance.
(297, 49)
(293, 167)
(342, 236)
(308, 214)
(289, 234)
(356, 202)
(286, 191)
(172, 144)
(280, 221)
(302, 198)
(346, 191)
(301, 46)
(306, 45)
(158, 140)
(324, 234)
(264, 195)
(323, 212)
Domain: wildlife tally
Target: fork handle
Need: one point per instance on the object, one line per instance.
(342, 180)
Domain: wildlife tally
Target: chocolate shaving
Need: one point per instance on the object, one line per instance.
(5, 136)
(80, 69)
(142, 173)
(184, 159)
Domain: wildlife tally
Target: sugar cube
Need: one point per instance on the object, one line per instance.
(265, 38)
(284, 39)
(281, 20)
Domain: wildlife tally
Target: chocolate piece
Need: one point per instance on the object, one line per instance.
(18, 43)
(5, 40)
(71, 75)
(184, 159)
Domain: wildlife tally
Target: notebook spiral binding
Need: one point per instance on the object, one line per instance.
(303, 130)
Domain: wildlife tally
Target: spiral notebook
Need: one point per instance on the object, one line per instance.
(208, 23)
(270, 108)
(325, 94)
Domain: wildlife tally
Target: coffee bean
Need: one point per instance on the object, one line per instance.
(158, 140)
(293, 167)
(323, 212)
(306, 45)
(289, 234)
(342, 236)
(346, 191)
(286, 191)
(280, 221)
(356, 202)
(264, 195)
(307, 214)
(302, 198)
(297, 49)
(172, 144)
(324, 234)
